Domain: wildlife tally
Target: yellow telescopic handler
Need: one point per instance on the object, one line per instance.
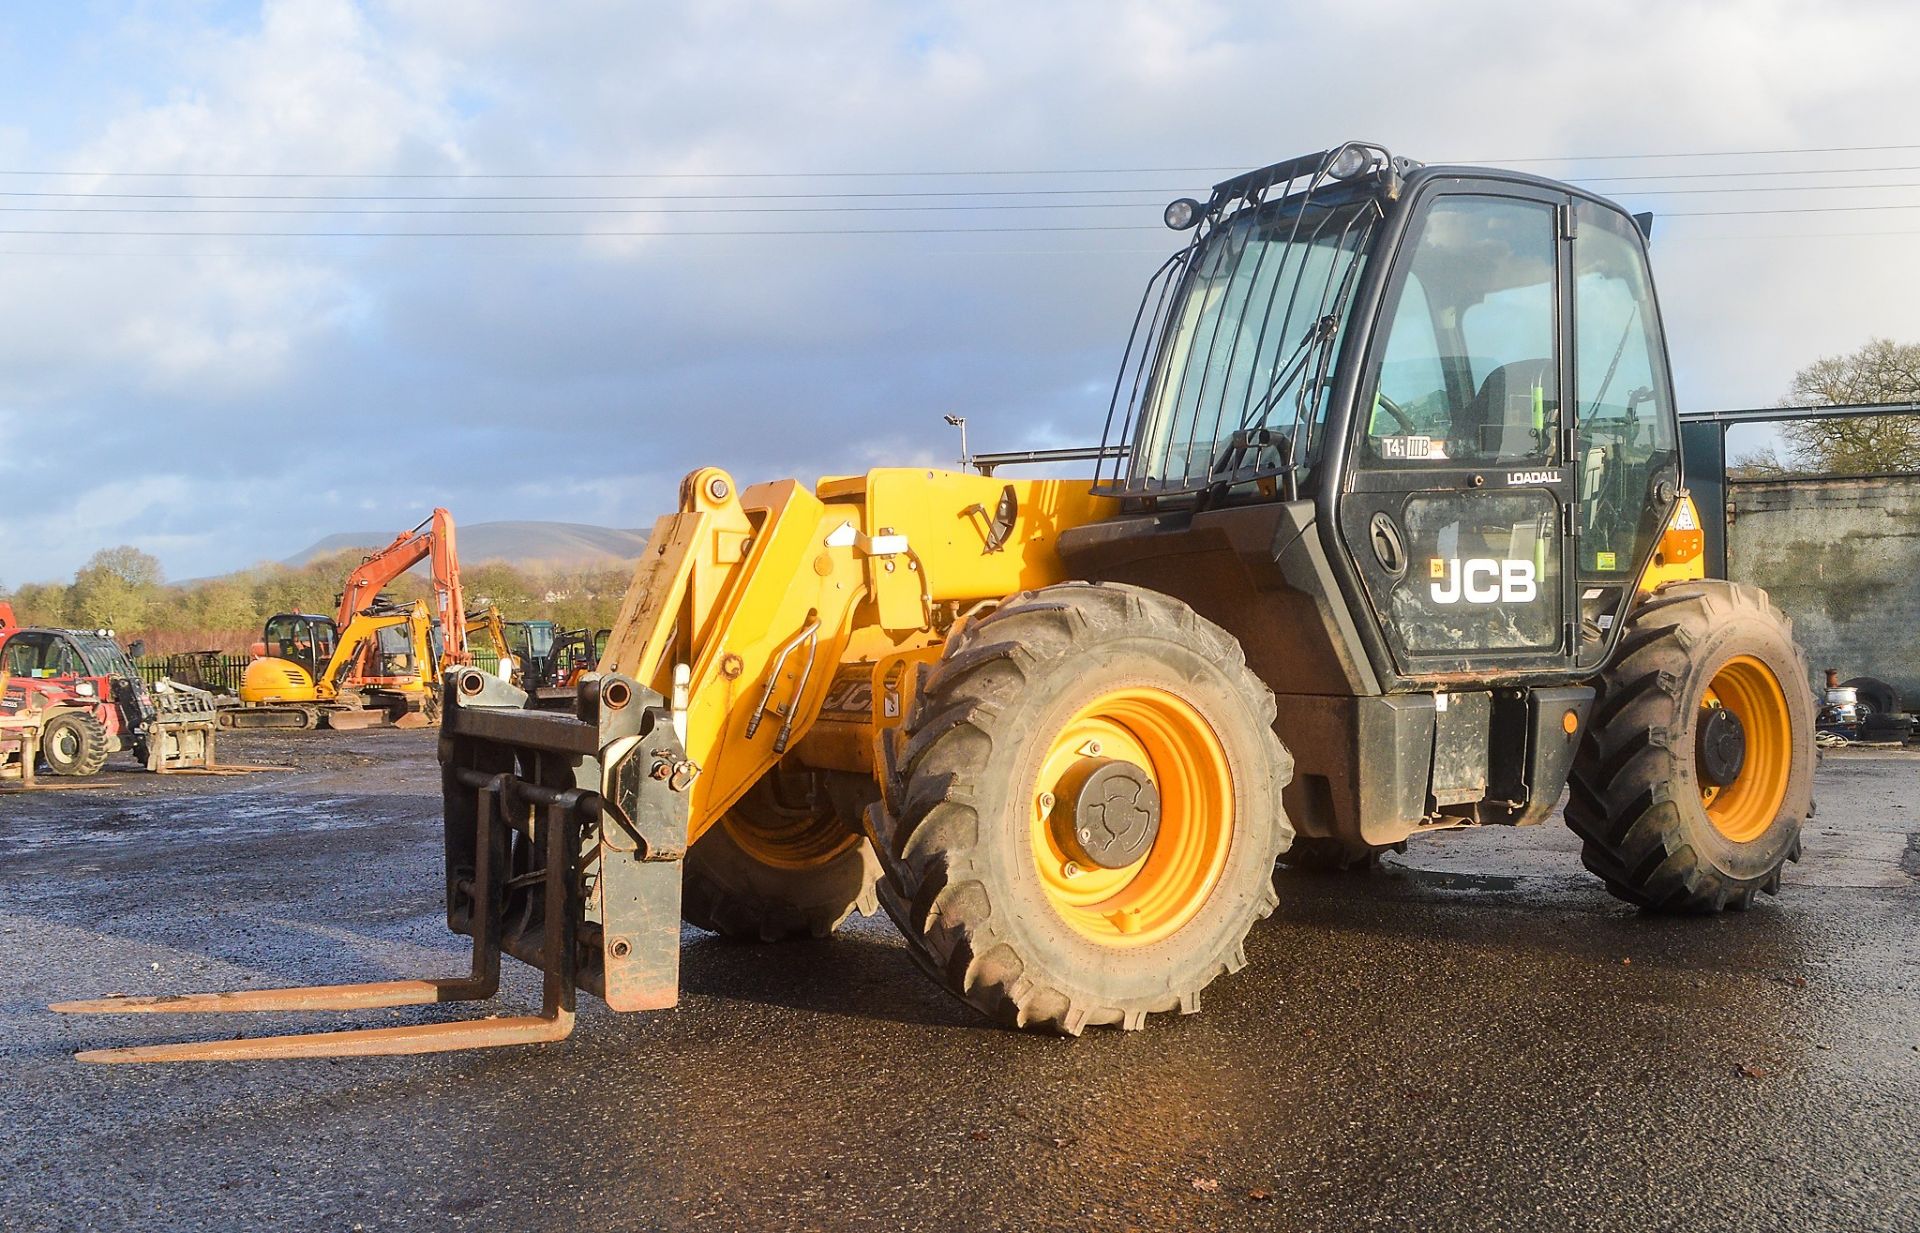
(1387, 535)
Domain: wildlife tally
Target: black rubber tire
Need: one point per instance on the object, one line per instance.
(1634, 795)
(74, 744)
(952, 828)
(1875, 695)
(729, 891)
(1329, 855)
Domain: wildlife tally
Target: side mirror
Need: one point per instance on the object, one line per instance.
(137, 649)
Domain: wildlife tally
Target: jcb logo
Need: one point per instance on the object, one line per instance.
(1482, 580)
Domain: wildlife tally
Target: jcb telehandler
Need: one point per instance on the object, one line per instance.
(1387, 536)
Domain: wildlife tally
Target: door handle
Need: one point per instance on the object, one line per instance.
(1388, 548)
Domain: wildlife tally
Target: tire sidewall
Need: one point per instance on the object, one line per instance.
(1052, 951)
(1768, 643)
(86, 733)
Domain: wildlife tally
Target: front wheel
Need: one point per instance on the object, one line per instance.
(1083, 810)
(1693, 781)
(74, 744)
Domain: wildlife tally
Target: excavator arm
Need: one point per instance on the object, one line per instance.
(432, 539)
(485, 623)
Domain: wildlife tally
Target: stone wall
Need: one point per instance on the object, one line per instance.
(1842, 558)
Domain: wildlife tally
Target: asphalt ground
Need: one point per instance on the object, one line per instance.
(1475, 1037)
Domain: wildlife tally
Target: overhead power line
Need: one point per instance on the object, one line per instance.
(730, 196)
(1729, 175)
(895, 174)
(567, 235)
(1605, 158)
(575, 234)
(483, 210)
(1158, 192)
(701, 211)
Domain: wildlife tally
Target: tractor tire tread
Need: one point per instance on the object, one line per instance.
(1621, 800)
(927, 824)
(94, 745)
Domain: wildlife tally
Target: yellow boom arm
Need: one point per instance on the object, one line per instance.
(748, 606)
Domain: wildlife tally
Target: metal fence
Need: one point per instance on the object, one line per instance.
(203, 670)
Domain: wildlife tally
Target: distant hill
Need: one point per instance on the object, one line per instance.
(564, 545)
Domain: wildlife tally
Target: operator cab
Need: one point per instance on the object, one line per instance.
(301, 638)
(1459, 371)
(532, 642)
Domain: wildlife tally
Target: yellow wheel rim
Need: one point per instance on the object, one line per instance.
(1744, 809)
(1182, 757)
(796, 835)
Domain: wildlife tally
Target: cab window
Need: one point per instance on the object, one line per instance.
(1623, 408)
(1468, 371)
(22, 656)
(41, 655)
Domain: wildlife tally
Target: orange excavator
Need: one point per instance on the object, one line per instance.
(432, 538)
(374, 662)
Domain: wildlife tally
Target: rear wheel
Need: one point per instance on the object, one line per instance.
(74, 744)
(780, 864)
(1693, 781)
(1083, 810)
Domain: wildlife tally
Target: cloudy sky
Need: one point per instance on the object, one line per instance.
(232, 319)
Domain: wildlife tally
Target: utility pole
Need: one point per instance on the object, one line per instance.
(960, 422)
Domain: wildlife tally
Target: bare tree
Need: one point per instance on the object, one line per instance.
(1881, 371)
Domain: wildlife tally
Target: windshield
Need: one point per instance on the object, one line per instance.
(533, 638)
(103, 656)
(1249, 343)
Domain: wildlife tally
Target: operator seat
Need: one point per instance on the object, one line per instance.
(1498, 423)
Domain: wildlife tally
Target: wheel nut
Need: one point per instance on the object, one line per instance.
(1070, 870)
(1046, 802)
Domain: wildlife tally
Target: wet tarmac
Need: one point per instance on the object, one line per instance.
(1476, 1037)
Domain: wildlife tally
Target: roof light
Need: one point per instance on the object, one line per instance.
(1349, 162)
(1182, 214)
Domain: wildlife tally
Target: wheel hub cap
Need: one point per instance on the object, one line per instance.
(1115, 813)
(1722, 746)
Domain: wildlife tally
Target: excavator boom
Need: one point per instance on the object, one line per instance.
(432, 539)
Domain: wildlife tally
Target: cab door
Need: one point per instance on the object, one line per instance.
(1626, 460)
(1458, 492)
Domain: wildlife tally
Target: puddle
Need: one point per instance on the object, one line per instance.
(203, 817)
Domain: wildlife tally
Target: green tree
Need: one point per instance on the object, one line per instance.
(507, 587)
(222, 605)
(1881, 371)
(118, 588)
(40, 603)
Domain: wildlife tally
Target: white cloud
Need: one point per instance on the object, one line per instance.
(576, 380)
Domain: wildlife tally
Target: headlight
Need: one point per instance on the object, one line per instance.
(1182, 214)
(83, 688)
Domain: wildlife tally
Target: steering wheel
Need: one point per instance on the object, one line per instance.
(1398, 413)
